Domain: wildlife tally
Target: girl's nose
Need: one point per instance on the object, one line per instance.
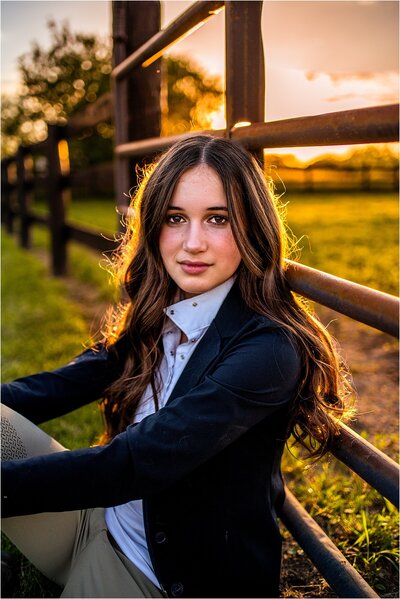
(194, 239)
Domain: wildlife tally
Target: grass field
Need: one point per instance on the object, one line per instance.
(354, 236)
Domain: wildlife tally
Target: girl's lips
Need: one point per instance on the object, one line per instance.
(194, 268)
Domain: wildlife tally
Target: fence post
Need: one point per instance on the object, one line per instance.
(7, 216)
(23, 200)
(244, 65)
(137, 97)
(58, 230)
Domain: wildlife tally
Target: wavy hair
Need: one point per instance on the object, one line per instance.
(135, 328)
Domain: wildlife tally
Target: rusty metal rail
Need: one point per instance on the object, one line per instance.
(374, 308)
(375, 467)
(196, 14)
(153, 145)
(362, 125)
(334, 567)
(358, 126)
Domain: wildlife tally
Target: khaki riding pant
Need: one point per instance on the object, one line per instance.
(74, 549)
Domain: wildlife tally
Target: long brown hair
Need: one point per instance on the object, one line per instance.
(135, 327)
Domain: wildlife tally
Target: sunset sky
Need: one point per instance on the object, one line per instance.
(321, 56)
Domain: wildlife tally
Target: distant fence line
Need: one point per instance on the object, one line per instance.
(21, 179)
(97, 180)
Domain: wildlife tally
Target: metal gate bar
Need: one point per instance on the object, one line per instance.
(195, 15)
(361, 125)
(324, 554)
(375, 467)
(374, 308)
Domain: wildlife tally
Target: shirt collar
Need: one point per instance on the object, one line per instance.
(196, 313)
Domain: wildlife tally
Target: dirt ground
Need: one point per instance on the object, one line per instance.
(373, 359)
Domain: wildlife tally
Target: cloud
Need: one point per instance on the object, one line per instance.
(296, 92)
(362, 86)
(389, 98)
(356, 75)
(383, 76)
(360, 75)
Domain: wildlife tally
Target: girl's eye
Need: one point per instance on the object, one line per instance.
(218, 219)
(174, 219)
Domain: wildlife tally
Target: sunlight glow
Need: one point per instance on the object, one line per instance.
(157, 55)
(241, 124)
(63, 154)
(218, 120)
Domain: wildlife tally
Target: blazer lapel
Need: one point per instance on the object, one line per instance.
(228, 321)
(206, 351)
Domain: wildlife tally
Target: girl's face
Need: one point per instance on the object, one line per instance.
(196, 241)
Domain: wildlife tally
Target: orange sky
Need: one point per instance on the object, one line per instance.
(321, 56)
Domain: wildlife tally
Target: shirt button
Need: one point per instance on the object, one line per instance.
(172, 312)
(160, 537)
(177, 589)
(193, 340)
(171, 352)
(182, 357)
(194, 304)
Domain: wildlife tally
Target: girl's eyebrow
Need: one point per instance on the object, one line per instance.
(211, 208)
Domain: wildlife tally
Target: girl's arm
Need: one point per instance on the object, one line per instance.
(46, 395)
(258, 377)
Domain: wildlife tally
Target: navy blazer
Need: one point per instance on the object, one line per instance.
(207, 465)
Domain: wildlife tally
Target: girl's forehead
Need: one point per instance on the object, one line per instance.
(199, 172)
(199, 186)
(199, 177)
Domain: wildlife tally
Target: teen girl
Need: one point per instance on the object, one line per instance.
(202, 375)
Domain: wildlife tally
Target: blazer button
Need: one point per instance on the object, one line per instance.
(160, 537)
(177, 589)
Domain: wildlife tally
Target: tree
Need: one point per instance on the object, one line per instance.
(374, 156)
(56, 83)
(193, 97)
(75, 71)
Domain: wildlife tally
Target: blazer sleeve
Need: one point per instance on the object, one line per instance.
(46, 395)
(257, 377)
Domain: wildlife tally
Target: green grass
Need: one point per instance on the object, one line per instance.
(34, 305)
(101, 214)
(362, 524)
(97, 213)
(42, 330)
(352, 235)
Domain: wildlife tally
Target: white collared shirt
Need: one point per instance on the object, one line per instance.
(191, 316)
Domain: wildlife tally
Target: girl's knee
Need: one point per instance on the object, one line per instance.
(20, 438)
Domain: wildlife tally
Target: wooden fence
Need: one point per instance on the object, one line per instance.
(20, 180)
(138, 45)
